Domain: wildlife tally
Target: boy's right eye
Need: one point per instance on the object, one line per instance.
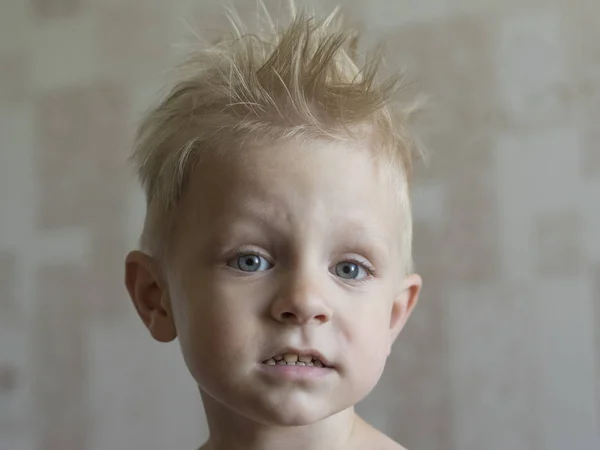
(249, 262)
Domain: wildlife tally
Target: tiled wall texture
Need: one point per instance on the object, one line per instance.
(503, 351)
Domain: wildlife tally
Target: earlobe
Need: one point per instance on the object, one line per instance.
(403, 305)
(150, 296)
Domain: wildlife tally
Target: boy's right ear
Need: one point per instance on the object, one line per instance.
(150, 295)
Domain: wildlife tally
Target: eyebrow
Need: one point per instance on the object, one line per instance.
(359, 231)
(233, 222)
(368, 235)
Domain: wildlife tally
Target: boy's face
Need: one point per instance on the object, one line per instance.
(289, 247)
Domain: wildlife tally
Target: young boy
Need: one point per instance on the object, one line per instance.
(277, 241)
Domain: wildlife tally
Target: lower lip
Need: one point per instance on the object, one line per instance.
(296, 372)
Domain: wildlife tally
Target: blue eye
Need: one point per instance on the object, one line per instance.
(350, 271)
(250, 262)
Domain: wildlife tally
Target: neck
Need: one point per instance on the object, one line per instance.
(230, 430)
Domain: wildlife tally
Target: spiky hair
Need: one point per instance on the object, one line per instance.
(299, 81)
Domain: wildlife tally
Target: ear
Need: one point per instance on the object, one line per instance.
(150, 296)
(403, 305)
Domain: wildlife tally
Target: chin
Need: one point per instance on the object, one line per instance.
(292, 414)
(292, 418)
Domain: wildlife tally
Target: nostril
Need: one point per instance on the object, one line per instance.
(287, 315)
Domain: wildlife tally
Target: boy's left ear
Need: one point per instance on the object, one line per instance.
(403, 305)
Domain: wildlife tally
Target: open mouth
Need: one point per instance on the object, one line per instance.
(292, 359)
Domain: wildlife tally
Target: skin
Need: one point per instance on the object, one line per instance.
(303, 214)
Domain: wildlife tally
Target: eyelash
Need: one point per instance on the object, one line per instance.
(246, 252)
(368, 268)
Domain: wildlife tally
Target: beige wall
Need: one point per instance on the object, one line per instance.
(502, 352)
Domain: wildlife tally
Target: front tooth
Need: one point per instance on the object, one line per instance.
(281, 363)
(289, 357)
(271, 362)
(310, 363)
(318, 363)
(278, 357)
(291, 363)
(300, 363)
(305, 359)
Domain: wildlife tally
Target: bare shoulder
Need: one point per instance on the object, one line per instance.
(384, 442)
(373, 439)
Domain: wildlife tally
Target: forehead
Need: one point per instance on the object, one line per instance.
(320, 178)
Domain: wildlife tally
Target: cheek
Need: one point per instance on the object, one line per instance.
(373, 350)
(214, 330)
(368, 350)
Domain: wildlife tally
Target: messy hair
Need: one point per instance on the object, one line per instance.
(300, 81)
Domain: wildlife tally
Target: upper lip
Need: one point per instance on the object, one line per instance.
(302, 352)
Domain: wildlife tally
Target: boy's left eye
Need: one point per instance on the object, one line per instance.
(249, 262)
(350, 271)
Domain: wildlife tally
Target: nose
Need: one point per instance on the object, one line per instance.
(300, 301)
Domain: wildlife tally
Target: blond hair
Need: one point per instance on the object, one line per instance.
(302, 81)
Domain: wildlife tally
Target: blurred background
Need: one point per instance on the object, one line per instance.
(502, 351)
